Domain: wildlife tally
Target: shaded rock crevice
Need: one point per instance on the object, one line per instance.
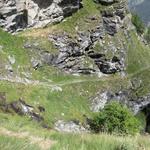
(146, 112)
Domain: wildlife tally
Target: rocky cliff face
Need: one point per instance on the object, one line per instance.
(125, 97)
(100, 44)
(78, 55)
(20, 14)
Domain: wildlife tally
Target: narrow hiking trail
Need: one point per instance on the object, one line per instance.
(48, 84)
(43, 143)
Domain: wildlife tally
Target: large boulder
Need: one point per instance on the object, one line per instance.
(19, 14)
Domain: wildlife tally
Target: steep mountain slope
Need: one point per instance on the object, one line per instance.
(141, 7)
(54, 74)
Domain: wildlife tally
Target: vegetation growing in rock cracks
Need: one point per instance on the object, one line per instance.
(115, 118)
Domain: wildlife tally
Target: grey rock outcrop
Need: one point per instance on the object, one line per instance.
(20, 14)
(113, 16)
(20, 107)
(36, 63)
(78, 56)
(70, 127)
(123, 97)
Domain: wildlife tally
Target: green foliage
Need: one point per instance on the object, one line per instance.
(136, 20)
(115, 118)
(147, 36)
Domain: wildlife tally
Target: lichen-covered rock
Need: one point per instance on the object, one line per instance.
(70, 127)
(125, 97)
(78, 56)
(72, 57)
(21, 108)
(20, 14)
(113, 16)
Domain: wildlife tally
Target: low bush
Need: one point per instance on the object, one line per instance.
(115, 118)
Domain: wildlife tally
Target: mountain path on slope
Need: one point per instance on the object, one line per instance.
(49, 84)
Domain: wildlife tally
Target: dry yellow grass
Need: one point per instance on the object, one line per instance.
(44, 144)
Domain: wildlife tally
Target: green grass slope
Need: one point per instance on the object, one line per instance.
(72, 103)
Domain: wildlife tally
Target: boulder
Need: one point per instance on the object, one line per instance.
(11, 59)
(70, 127)
(21, 108)
(36, 63)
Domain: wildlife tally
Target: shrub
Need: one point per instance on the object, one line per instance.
(138, 23)
(115, 118)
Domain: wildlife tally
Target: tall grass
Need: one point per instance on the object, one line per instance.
(11, 143)
(64, 141)
(100, 141)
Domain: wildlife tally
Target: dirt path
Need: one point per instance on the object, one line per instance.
(52, 85)
(44, 144)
